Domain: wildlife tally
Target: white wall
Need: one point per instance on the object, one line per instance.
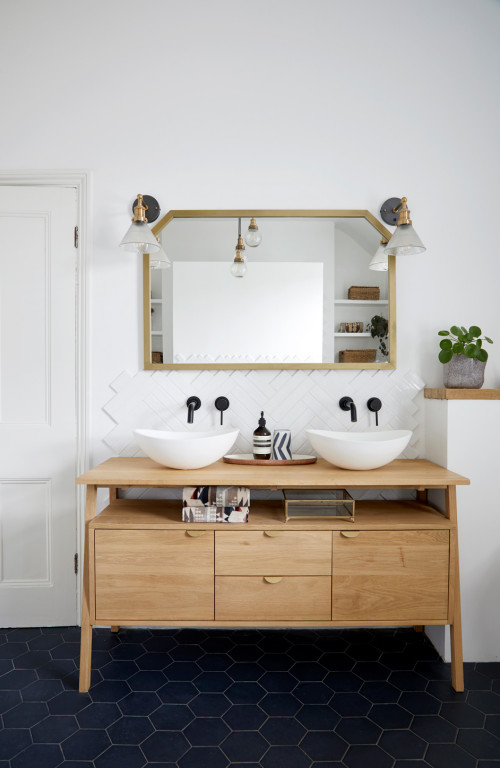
(463, 434)
(282, 104)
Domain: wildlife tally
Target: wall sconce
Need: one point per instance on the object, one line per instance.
(238, 267)
(380, 260)
(139, 237)
(405, 240)
(253, 236)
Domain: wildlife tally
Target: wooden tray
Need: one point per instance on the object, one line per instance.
(247, 458)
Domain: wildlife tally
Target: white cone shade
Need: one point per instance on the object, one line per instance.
(404, 241)
(139, 238)
(159, 260)
(380, 260)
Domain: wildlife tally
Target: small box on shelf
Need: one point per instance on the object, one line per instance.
(305, 504)
(365, 292)
(357, 355)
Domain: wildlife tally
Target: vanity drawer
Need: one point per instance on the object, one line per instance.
(273, 598)
(154, 575)
(390, 575)
(274, 551)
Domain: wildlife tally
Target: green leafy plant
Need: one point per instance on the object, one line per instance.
(463, 342)
(379, 328)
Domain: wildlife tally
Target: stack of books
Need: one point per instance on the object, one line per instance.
(215, 504)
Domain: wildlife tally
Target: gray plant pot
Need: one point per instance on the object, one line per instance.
(464, 372)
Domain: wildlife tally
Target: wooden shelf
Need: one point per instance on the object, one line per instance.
(360, 335)
(365, 302)
(462, 394)
(369, 515)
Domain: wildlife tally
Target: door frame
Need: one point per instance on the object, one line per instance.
(81, 181)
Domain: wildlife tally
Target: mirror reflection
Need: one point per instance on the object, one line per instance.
(306, 297)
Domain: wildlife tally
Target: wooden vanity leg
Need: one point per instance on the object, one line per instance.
(115, 629)
(86, 634)
(457, 665)
(418, 628)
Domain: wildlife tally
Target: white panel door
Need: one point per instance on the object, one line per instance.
(38, 437)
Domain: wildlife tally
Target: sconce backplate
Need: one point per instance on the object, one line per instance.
(387, 213)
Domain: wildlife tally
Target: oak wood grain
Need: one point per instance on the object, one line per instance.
(142, 472)
(294, 598)
(291, 552)
(391, 575)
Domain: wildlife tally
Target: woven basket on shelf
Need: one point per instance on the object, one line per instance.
(370, 292)
(357, 355)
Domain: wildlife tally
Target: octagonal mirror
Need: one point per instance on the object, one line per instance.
(308, 298)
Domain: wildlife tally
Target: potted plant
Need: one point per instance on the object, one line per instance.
(463, 356)
(379, 328)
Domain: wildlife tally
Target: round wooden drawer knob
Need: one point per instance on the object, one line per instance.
(273, 534)
(350, 534)
(195, 534)
(273, 579)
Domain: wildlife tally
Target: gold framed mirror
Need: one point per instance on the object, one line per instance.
(295, 307)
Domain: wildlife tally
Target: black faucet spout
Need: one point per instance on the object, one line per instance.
(193, 403)
(347, 404)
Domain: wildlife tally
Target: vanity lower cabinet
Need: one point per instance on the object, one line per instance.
(273, 575)
(397, 564)
(154, 575)
(391, 576)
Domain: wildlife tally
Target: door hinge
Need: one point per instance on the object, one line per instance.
(76, 237)
(76, 562)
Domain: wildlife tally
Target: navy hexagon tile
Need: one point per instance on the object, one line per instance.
(245, 698)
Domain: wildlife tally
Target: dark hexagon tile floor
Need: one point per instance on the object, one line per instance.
(269, 698)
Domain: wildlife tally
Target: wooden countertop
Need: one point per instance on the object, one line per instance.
(144, 473)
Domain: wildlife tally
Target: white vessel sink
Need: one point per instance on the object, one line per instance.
(359, 450)
(186, 450)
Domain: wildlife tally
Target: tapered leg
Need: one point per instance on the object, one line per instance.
(86, 634)
(418, 628)
(115, 629)
(457, 662)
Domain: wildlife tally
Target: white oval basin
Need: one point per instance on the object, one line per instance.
(359, 450)
(186, 450)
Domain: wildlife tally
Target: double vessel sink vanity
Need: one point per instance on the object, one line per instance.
(396, 564)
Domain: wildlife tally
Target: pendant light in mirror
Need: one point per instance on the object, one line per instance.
(139, 236)
(380, 260)
(405, 240)
(253, 236)
(238, 267)
(159, 259)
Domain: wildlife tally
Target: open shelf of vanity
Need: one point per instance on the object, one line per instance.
(396, 564)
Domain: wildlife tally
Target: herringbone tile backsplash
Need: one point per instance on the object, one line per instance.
(296, 400)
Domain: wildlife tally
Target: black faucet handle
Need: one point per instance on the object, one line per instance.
(374, 405)
(222, 404)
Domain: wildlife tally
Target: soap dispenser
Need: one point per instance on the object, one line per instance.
(262, 440)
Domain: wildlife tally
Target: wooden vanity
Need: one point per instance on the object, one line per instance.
(397, 564)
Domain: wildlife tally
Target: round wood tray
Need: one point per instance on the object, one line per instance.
(247, 458)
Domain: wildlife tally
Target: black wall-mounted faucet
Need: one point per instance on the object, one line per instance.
(374, 405)
(347, 404)
(193, 403)
(222, 404)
